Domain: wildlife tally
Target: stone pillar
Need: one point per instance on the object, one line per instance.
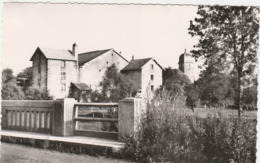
(129, 112)
(63, 117)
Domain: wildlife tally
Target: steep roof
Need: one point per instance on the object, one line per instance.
(57, 54)
(88, 56)
(136, 64)
(81, 86)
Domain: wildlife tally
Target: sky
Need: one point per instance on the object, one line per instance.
(142, 31)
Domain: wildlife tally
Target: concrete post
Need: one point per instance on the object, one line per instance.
(129, 112)
(63, 117)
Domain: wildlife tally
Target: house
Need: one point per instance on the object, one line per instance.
(77, 89)
(187, 65)
(56, 70)
(23, 82)
(144, 74)
(92, 66)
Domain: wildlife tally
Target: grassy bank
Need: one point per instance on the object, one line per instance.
(168, 134)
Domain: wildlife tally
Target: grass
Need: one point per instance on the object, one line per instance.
(24, 154)
(168, 132)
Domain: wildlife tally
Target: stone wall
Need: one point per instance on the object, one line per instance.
(40, 71)
(129, 114)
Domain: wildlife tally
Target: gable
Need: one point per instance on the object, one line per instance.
(56, 54)
(39, 52)
(88, 56)
(138, 64)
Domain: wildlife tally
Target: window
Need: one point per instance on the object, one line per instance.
(152, 66)
(99, 70)
(152, 88)
(63, 87)
(63, 76)
(151, 77)
(63, 64)
(107, 62)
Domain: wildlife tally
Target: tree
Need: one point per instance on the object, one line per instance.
(10, 90)
(228, 35)
(215, 88)
(174, 81)
(115, 86)
(26, 73)
(249, 97)
(32, 93)
(192, 95)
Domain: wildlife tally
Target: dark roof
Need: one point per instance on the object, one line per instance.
(81, 86)
(136, 64)
(58, 54)
(86, 57)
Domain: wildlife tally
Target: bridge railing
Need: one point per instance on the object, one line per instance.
(96, 120)
(66, 117)
(25, 115)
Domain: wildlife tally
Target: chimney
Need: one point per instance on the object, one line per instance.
(75, 54)
(133, 57)
(74, 49)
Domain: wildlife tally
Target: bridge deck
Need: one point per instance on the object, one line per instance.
(69, 139)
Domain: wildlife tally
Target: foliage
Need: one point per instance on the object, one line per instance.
(113, 86)
(228, 35)
(168, 134)
(27, 73)
(216, 88)
(192, 95)
(10, 90)
(110, 126)
(174, 81)
(96, 96)
(33, 93)
(249, 98)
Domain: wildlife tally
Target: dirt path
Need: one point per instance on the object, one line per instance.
(13, 153)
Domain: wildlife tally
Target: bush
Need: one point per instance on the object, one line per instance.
(37, 94)
(10, 90)
(167, 133)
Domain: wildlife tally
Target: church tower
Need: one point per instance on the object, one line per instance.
(186, 65)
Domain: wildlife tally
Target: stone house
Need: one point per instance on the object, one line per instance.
(144, 74)
(92, 66)
(56, 70)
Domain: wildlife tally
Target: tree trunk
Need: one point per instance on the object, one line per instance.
(238, 93)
